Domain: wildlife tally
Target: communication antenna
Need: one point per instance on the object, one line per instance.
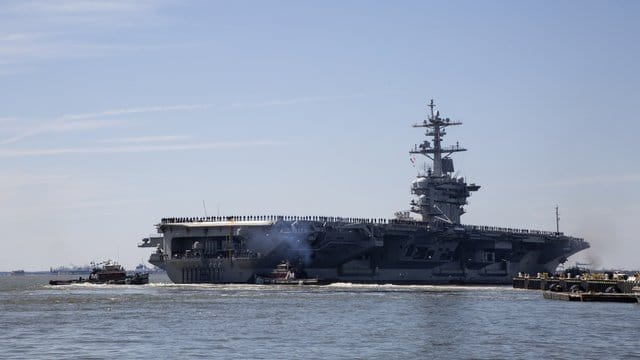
(205, 209)
(557, 221)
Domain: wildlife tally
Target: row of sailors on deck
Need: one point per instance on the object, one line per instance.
(274, 218)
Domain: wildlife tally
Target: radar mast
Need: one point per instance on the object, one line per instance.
(441, 195)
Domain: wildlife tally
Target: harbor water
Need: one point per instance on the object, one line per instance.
(162, 320)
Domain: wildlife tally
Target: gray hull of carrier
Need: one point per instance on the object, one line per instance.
(354, 250)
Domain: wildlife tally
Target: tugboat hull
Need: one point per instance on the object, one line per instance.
(109, 273)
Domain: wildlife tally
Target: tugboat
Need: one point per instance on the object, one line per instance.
(107, 272)
(286, 274)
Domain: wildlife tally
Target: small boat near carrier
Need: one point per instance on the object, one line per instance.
(107, 272)
(286, 274)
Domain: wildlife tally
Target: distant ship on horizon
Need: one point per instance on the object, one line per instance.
(434, 249)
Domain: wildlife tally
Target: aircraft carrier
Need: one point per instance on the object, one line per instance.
(431, 248)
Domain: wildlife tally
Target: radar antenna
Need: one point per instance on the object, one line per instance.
(431, 106)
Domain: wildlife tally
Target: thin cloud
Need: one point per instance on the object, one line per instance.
(21, 47)
(23, 135)
(146, 139)
(9, 153)
(62, 126)
(84, 125)
(53, 49)
(17, 45)
(78, 7)
(90, 121)
(21, 36)
(32, 51)
(37, 31)
(136, 110)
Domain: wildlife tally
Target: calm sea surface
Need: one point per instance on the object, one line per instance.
(167, 321)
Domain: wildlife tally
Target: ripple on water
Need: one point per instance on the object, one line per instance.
(337, 321)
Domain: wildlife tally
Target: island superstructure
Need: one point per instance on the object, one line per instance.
(433, 249)
(441, 196)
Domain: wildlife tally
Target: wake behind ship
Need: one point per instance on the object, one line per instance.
(434, 249)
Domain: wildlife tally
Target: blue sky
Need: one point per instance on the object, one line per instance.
(117, 113)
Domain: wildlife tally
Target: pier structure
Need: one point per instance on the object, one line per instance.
(593, 287)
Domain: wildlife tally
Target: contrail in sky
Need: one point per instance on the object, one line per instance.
(86, 121)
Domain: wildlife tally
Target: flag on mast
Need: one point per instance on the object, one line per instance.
(413, 160)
